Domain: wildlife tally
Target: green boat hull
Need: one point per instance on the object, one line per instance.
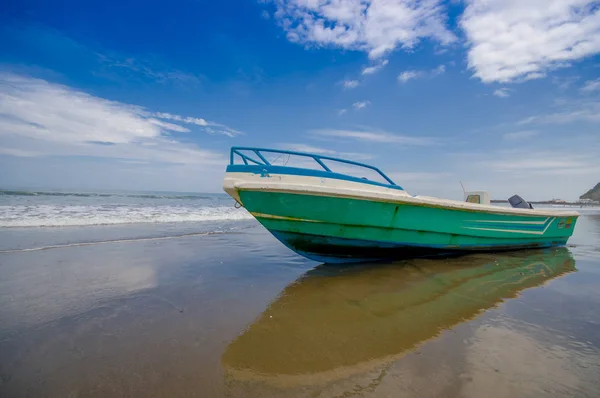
(340, 229)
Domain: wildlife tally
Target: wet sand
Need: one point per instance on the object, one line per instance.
(236, 314)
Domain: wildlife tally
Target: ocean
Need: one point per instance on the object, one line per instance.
(59, 209)
(153, 294)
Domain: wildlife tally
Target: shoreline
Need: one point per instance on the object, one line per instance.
(546, 202)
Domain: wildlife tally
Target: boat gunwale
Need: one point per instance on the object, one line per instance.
(389, 197)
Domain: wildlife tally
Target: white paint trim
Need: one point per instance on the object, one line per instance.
(515, 231)
(513, 222)
(306, 185)
(507, 230)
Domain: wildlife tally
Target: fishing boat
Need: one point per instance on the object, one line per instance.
(335, 210)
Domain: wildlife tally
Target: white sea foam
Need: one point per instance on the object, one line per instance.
(80, 215)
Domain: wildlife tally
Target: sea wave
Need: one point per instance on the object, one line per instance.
(106, 195)
(69, 215)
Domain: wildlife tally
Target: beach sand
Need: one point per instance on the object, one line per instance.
(234, 313)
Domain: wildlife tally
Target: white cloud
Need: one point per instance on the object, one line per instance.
(17, 153)
(361, 104)
(527, 161)
(439, 70)
(440, 184)
(550, 163)
(408, 75)
(502, 92)
(307, 148)
(591, 86)
(140, 67)
(209, 127)
(350, 84)
(42, 118)
(369, 70)
(415, 74)
(342, 111)
(418, 176)
(524, 39)
(578, 111)
(564, 83)
(324, 151)
(192, 120)
(374, 26)
(169, 126)
(370, 136)
(535, 170)
(520, 135)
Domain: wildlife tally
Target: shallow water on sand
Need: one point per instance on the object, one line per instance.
(213, 310)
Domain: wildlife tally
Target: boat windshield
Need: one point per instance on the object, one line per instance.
(275, 157)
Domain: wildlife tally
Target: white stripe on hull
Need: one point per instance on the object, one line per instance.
(318, 186)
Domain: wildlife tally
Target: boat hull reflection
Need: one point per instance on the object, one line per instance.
(336, 321)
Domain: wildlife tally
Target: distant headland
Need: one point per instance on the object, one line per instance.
(593, 194)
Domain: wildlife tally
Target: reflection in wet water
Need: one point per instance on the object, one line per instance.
(334, 322)
(190, 316)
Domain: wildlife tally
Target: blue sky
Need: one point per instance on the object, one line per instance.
(501, 94)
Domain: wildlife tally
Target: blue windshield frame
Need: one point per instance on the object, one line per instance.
(261, 165)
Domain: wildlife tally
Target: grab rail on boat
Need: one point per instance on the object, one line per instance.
(262, 161)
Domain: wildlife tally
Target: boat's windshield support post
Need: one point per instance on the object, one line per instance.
(252, 160)
(262, 158)
(384, 176)
(321, 163)
(245, 158)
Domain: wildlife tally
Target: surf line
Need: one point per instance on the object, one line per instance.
(101, 242)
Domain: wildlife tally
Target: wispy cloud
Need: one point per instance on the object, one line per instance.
(342, 111)
(502, 92)
(151, 71)
(408, 75)
(207, 126)
(415, 74)
(373, 136)
(307, 148)
(591, 86)
(178, 118)
(439, 70)
(577, 111)
(399, 176)
(542, 162)
(527, 160)
(537, 169)
(42, 118)
(376, 27)
(17, 152)
(350, 84)
(169, 126)
(361, 104)
(564, 83)
(99, 61)
(324, 151)
(369, 70)
(523, 40)
(520, 135)
(426, 183)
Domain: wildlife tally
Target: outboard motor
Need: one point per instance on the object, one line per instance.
(519, 202)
